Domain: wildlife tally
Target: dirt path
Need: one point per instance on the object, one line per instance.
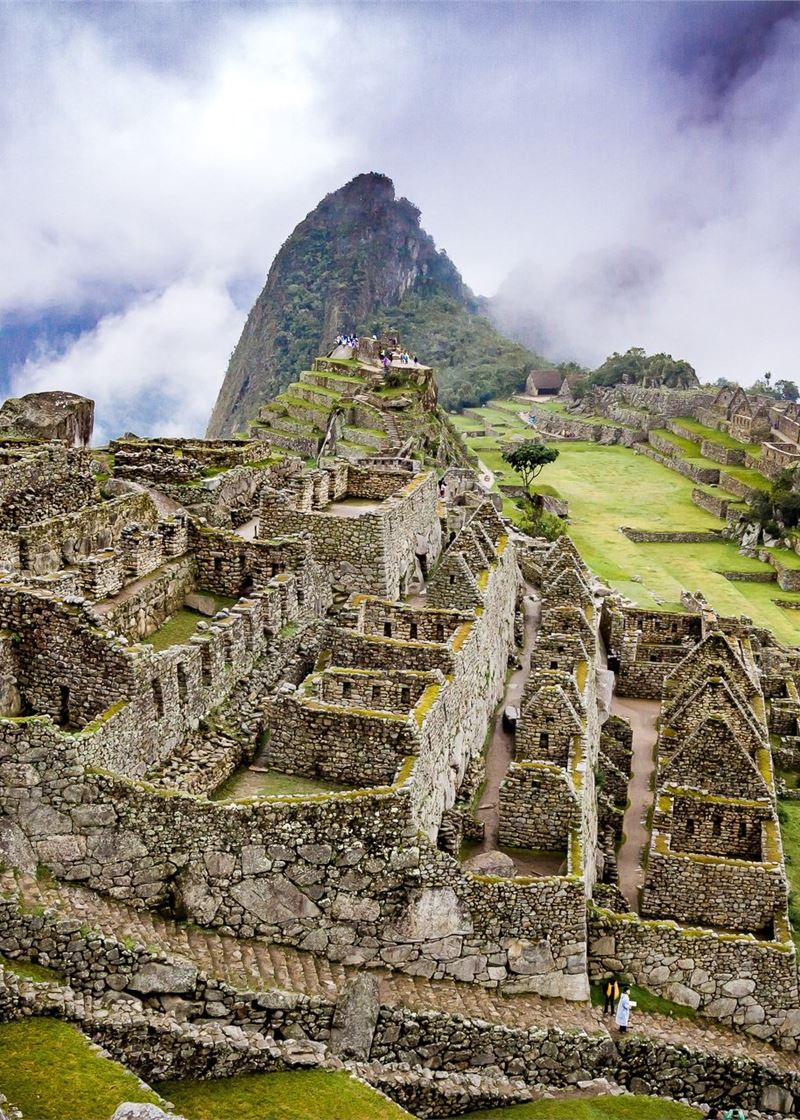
(501, 748)
(487, 476)
(642, 716)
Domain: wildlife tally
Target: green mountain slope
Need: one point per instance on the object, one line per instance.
(360, 258)
(472, 360)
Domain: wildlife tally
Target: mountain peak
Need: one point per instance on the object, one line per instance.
(360, 250)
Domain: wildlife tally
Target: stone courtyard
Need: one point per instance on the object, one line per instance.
(457, 708)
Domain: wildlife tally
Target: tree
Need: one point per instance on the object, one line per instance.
(788, 390)
(529, 460)
(637, 368)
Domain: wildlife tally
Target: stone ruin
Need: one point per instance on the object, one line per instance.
(354, 624)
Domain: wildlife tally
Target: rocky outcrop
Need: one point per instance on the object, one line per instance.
(360, 249)
(49, 416)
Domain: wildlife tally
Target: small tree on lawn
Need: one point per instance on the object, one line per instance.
(529, 460)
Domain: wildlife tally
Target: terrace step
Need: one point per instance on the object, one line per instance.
(254, 965)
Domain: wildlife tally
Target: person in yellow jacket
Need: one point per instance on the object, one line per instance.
(611, 995)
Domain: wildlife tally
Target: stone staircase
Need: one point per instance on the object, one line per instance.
(253, 965)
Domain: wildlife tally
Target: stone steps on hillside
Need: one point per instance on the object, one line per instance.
(315, 394)
(256, 965)
(343, 384)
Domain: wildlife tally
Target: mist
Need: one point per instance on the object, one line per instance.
(612, 175)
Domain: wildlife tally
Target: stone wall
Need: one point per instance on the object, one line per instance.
(48, 544)
(140, 612)
(538, 807)
(728, 456)
(734, 978)
(372, 551)
(694, 471)
(46, 480)
(711, 503)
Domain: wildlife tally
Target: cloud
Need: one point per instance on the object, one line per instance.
(154, 367)
(623, 174)
(122, 173)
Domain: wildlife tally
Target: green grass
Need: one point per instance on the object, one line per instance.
(791, 778)
(593, 1108)
(685, 445)
(746, 475)
(789, 816)
(176, 630)
(648, 1001)
(272, 783)
(49, 1070)
(607, 487)
(30, 971)
(722, 439)
(303, 1095)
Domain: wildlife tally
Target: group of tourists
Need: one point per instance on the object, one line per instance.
(350, 340)
(617, 1002)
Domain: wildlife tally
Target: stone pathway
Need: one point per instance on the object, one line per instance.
(501, 748)
(255, 965)
(642, 716)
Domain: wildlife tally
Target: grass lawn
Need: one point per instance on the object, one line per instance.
(789, 814)
(607, 487)
(183, 624)
(175, 630)
(687, 447)
(50, 1071)
(722, 439)
(272, 783)
(594, 1108)
(303, 1095)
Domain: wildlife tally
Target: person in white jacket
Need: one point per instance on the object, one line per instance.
(624, 1009)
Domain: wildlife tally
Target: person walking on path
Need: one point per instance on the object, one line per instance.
(624, 1009)
(610, 995)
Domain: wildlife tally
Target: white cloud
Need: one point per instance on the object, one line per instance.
(152, 151)
(120, 173)
(156, 363)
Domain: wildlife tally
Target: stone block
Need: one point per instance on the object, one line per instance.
(273, 901)
(176, 978)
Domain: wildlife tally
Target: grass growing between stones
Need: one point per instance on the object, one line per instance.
(594, 1108)
(176, 630)
(30, 971)
(304, 1095)
(648, 1002)
(50, 1071)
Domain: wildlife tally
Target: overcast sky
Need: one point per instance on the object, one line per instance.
(623, 174)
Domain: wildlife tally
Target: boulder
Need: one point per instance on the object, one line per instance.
(356, 1017)
(491, 863)
(434, 913)
(67, 417)
(133, 1111)
(175, 978)
(274, 901)
(530, 958)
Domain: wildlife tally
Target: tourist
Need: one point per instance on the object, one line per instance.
(624, 1009)
(713, 1113)
(610, 995)
(734, 1114)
